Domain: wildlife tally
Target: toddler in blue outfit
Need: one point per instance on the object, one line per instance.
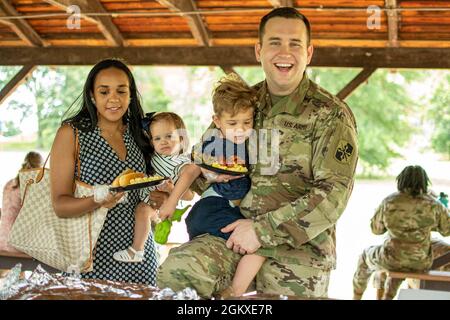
(234, 105)
(217, 207)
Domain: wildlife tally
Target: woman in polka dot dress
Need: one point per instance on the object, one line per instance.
(111, 140)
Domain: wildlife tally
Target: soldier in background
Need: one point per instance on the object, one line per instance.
(408, 216)
(291, 213)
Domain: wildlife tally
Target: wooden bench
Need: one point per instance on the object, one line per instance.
(9, 259)
(431, 280)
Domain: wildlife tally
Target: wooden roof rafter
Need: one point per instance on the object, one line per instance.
(428, 58)
(104, 22)
(20, 26)
(16, 81)
(356, 82)
(195, 22)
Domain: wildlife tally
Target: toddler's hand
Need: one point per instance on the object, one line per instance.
(166, 210)
(166, 186)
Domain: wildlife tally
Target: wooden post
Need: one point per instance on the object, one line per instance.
(392, 18)
(281, 3)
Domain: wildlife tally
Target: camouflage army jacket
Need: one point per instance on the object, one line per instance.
(295, 209)
(408, 222)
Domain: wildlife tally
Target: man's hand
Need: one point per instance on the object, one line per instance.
(157, 198)
(243, 240)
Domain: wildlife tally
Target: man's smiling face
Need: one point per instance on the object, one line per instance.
(284, 54)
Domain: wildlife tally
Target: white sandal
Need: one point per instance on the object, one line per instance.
(124, 256)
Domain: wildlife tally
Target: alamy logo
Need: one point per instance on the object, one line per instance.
(74, 20)
(374, 19)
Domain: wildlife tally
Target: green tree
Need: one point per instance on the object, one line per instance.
(55, 90)
(439, 114)
(9, 128)
(251, 75)
(151, 88)
(383, 110)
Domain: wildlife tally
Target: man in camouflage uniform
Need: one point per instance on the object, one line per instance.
(291, 214)
(408, 216)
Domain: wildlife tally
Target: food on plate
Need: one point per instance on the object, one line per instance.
(145, 179)
(123, 179)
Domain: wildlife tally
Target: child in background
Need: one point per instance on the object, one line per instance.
(234, 105)
(167, 133)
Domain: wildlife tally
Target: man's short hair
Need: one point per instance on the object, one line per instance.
(288, 13)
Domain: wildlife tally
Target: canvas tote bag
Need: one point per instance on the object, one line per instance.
(66, 244)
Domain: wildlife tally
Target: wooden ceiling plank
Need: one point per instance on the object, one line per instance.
(104, 23)
(20, 26)
(195, 22)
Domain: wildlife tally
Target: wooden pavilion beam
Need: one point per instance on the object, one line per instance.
(15, 82)
(230, 69)
(104, 23)
(20, 26)
(356, 82)
(393, 19)
(281, 3)
(195, 22)
(428, 58)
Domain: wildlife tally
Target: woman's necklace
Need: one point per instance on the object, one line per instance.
(110, 134)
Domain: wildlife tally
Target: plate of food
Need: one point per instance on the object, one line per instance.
(231, 167)
(131, 180)
(232, 170)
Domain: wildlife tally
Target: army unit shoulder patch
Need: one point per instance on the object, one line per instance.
(344, 152)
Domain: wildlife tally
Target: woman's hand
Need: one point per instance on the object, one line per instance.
(112, 200)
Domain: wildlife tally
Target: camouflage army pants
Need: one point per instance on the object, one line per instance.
(371, 261)
(208, 266)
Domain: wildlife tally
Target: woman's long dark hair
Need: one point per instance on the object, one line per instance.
(85, 118)
(413, 180)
